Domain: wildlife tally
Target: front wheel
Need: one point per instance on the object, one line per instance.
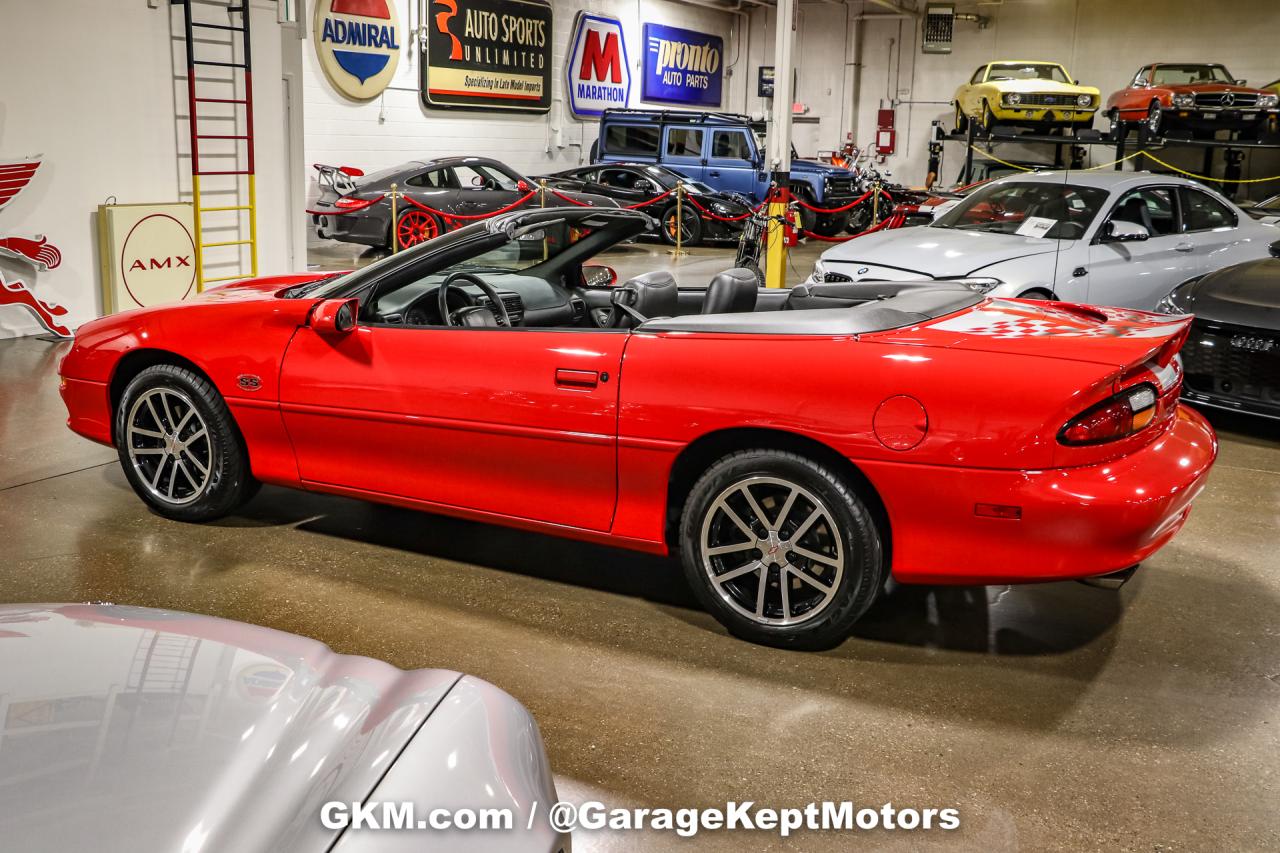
(831, 224)
(1155, 120)
(962, 120)
(989, 120)
(179, 447)
(780, 549)
(1118, 128)
(690, 225)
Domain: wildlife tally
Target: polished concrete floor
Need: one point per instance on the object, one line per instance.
(1054, 717)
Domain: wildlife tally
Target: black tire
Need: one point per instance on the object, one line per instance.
(989, 120)
(845, 537)
(808, 218)
(831, 224)
(692, 225)
(962, 120)
(860, 218)
(156, 401)
(1038, 294)
(1154, 121)
(1119, 128)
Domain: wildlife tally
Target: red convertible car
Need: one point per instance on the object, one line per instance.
(1203, 98)
(796, 447)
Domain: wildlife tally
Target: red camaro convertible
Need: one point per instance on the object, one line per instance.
(796, 447)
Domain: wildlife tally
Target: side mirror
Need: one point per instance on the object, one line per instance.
(1119, 231)
(1274, 248)
(335, 317)
(1242, 82)
(523, 185)
(598, 275)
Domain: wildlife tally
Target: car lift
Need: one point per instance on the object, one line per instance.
(240, 94)
(1076, 147)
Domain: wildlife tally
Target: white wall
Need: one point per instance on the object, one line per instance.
(1099, 41)
(396, 127)
(98, 89)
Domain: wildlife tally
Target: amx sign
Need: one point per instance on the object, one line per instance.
(682, 66)
(598, 74)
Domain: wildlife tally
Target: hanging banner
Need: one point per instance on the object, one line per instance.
(488, 55)
(598, 76)
(682, 66)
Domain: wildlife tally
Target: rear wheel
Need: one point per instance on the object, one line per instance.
(416, 226)
(179, 447)
(780, 549)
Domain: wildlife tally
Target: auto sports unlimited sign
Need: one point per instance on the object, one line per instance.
(358, 44)
(488, 55)
(682, 66)
(597, 74)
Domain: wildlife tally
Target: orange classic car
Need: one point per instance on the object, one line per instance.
(1202, 98)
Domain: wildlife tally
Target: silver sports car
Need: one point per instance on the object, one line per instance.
(131, 729)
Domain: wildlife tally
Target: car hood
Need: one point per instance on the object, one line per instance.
(1052, 87)
(811, 167)
(1243, 295)
(905, 253)
(132, 729)
(1209, 88)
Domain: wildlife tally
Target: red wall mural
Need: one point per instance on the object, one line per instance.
(35, 252)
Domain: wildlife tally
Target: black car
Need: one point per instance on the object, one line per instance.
(1232, 357)
(356, 208)
(703, 211)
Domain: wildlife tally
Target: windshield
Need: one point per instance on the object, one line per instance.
(1028, 209)
(1027, 71)
(1182, 75)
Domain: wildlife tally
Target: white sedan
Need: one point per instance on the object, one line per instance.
(1105, 238)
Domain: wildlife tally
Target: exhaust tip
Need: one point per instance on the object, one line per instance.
(1113, 581)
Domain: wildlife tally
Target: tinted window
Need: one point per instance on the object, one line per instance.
(1027, 71)
(1203, 212)
(1182, 75)
(731, 145)
(1152, 208)
(437, 178)
(1041, 209)
(484, 177)
(624, 179)
(684, 142)
(631, 139)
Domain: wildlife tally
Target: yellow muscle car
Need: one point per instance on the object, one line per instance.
(1020, 92)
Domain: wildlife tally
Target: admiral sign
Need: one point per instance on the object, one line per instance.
(682, 66)
(488, 55)
(358, 43)
(598, 74)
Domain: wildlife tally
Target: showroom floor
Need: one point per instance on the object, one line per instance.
(1054, 717)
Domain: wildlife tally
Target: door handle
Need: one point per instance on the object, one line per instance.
(1185, 247)
(580, 379)
(1079, 271)
(715, 174)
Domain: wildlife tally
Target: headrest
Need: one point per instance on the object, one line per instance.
(731, 292)
(653, 294)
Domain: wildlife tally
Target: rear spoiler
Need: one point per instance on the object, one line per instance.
(338, 178)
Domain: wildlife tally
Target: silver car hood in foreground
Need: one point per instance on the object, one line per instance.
(903, 254)
(131, 729)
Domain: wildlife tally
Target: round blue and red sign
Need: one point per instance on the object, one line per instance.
(358, 43)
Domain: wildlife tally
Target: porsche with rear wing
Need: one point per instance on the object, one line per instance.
(927, 432)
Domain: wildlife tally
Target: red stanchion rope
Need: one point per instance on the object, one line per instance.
(569, 199)
(654, 200)
(842, 208)
(894, 221)
(465, 216)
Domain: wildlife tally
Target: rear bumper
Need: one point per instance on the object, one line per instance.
(1075, 522)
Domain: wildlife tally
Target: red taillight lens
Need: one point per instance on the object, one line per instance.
(349, 203)
(1118, 417)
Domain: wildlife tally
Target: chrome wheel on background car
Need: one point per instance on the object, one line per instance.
(168, 444)
(179, 446)
(1154, 115)
(772, 550)
(781, 548)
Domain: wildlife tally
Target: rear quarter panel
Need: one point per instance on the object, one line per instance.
(984, 409)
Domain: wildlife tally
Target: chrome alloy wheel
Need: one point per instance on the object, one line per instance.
(772, 550)
(168, 444)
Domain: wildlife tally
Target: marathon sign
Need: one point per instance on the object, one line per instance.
(682, 66)
(488, 55)
(598, 76)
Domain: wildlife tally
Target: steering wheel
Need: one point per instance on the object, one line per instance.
(472, 315)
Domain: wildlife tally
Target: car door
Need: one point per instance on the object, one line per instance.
(1136, 274)
(483, 189)
(684, 151)
(511, 422)
(731, 163)
(625, 186)
(1211, 228)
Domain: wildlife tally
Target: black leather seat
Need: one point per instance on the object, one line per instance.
(731, 292)
(653, 294)
(1135, 211)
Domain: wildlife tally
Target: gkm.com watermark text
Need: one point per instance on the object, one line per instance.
(748, 816)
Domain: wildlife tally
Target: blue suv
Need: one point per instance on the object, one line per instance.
(721, 149)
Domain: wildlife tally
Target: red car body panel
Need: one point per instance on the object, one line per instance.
(576, 431)
(1134, 102)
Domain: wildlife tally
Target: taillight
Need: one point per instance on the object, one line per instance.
(1117, 417)
(349, 203)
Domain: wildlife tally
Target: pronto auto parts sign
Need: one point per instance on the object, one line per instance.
(682, 66)
(597, 74)
(358, 43)
(488, 55)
